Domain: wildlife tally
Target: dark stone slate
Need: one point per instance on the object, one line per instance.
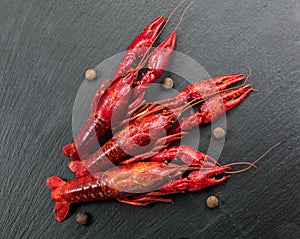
(45, 46)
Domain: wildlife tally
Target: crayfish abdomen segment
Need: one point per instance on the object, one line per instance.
(83, 190)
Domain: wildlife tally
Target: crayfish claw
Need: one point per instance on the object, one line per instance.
(234, 97)
(223, 82)
(217, 175)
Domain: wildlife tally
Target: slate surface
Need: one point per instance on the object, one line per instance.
(45, 46)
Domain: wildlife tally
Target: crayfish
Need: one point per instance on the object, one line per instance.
(151, 174)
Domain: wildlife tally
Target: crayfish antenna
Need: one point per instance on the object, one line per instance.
(265, 153)
(249, 74)
(146, 56)
(182, 16)
(255, 90)
(241, 170)
(250, 164)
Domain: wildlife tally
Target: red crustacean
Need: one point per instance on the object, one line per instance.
(136, 184)
(144, 183)
(136, 140)
(117, 96)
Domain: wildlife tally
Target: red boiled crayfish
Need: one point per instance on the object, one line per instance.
(144, 183)
(117, 96)
(137, 184)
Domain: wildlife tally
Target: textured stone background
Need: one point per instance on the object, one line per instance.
(45, 46)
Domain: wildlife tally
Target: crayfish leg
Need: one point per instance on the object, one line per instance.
(144, 201)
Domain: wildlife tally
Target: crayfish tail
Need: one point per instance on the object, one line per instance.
(54, 182)
(61, 207)
(61, 210)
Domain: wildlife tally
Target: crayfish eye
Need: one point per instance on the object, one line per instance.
(164, 111)
(123, 75)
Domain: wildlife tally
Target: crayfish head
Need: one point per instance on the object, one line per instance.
(168, 117)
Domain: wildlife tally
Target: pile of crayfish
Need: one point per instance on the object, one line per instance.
(135, 166)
